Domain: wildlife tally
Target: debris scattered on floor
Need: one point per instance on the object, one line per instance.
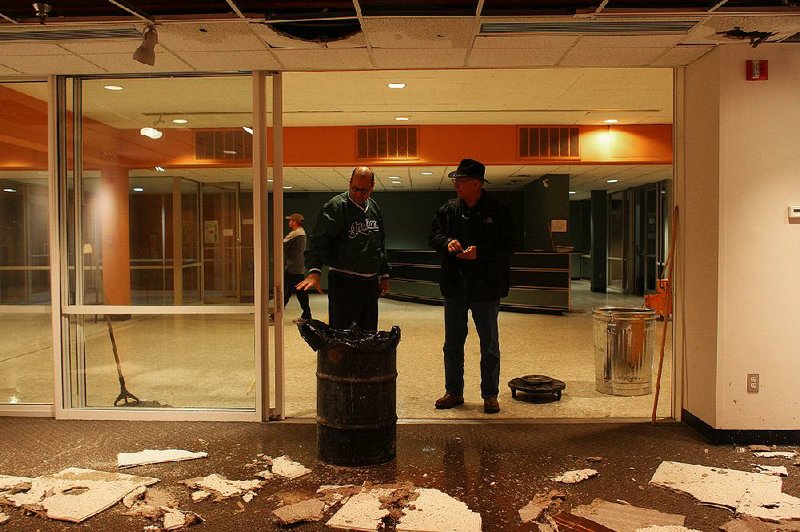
(667, 528)
(361, 512)
(434, 510)
(221, 486)
(14, 484)
(149, 503)
(155, 456)
(760, 448)
(247, 497)
(283, 466)
(625, 517)
(76, 494)
(200, 495)
(4, 518)
(594, 458)
(307, 510)
(750, 524)
(549, 501)
(775, 454)
(778, 471)
(129, 499)
(175, 518)
(573, 477)
(747, 493)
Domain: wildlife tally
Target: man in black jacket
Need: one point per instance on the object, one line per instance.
(475, 235)
(349, 237)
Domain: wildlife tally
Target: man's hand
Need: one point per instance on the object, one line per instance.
(384, 286)
(468, 254)
(311, 281)
(454, 246)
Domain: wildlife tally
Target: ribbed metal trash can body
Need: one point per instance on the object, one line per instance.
(624, 343)
(356, 406)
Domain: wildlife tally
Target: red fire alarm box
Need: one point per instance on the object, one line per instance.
(756, 70)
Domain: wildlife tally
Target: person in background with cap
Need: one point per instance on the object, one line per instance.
(349, 237)
(475, 235)
(294, 245)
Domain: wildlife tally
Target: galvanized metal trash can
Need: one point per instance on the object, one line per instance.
(624, 343)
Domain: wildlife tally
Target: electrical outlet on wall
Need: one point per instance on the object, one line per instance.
(752, 383)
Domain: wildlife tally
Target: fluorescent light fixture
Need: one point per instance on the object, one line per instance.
(248, 129)
(159, 168)
(269, 180)
(287, 186)
(426, 173)
(396, 85)
(12, 190)
(229, 152)
(572, 192)
(611, 121)
(612, 180)
(402, 118)
(180, 121)
(394, 177)
(113, 88)
(138, 189)
(151, 132)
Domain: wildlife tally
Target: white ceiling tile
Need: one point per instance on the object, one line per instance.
(124, 62)
(103, 46)
(32, 48)
(239, 60)
(216, 36)
(611, 57)
(419, 58)
(628, 41)
(525, 41)
(497, 57)
(6, 70)
(682, 55)
(330, 59)
(50, 64)
(424, 33)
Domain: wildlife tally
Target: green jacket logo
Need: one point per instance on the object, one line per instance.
(363, 228)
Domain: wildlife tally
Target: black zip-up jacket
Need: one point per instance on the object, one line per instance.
(348, 239)
(489, 226)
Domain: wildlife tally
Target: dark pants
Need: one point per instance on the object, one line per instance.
(289, 282)
(484, 314)
(353, 300)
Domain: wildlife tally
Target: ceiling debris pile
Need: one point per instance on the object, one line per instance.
(573, 477)
(627, 518)
(752, 494)
(159, 506)
(150, 456)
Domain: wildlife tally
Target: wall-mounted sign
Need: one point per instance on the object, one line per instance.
(558, 226)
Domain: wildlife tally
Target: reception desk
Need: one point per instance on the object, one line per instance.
(539, 280)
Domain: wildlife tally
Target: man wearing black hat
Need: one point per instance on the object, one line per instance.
(474, 232)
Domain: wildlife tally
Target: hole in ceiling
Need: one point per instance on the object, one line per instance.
(318, 30)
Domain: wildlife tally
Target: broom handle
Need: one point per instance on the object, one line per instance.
(660, 366)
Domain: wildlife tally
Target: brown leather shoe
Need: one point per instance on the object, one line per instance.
(449, 401)
(490, 405)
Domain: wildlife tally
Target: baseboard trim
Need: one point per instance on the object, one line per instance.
(742, 437)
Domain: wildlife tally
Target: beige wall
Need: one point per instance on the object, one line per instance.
(746, 287)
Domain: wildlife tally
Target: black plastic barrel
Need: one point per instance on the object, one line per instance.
(356, 393)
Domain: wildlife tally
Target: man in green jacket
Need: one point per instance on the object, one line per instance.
(349, 237)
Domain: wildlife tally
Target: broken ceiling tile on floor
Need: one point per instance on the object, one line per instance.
(751, 524)
(307, 510)
(175, 518)
(775, 508)
(283, 466)
(541, 502)
(129, 499)
(760, 447)
(573, 477)
(155, 456)
(76, 494)
(4, 518)
(625, 517)
(774, 454)
(778, 471)
(667, 528)
(362, 511)
(220, 485)
(716, 486)
(435, 511)
(8, 483)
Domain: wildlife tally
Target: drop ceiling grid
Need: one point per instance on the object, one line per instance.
(328, 59)
(419, 33)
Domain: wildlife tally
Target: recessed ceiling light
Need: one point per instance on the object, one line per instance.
(402, 118)
(113, 88)
(426, 173)
(572, 192)
(394, 177)
(180, 121)
(229, 152)
(9, 190)
(138, 189)
(159, 169)
(396, 85)
(612, 180)
(248, 129)
(151, 132)
(269, 180)
(611, 121)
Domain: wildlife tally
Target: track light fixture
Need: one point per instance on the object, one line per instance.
(146, 53)
(42, 11)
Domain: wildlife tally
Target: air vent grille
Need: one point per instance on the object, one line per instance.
(60, 35)
(234, 144)
(552, 142)
(602, 27)
(387, 143)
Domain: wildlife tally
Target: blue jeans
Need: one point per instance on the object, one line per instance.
(484, 314)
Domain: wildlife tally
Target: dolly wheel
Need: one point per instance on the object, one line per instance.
(513, 393)
(557, 394)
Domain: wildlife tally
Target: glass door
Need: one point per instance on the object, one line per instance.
(222, 243)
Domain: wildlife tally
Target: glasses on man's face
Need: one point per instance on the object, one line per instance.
(360, 190)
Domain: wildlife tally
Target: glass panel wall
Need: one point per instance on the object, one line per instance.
(26, 339)
(157, 219)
